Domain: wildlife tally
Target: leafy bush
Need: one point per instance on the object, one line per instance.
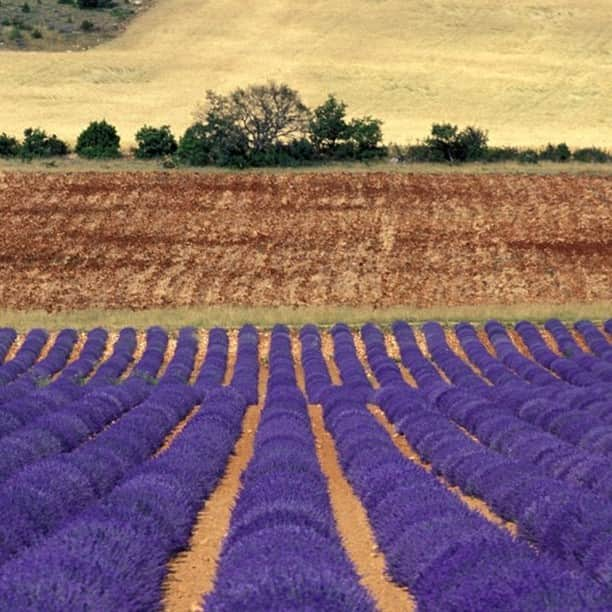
(556, 153)
(194, 146)
(501, 154)
(9, 147)
(528, 156)
(447, 143)
(98, 140)
(36, 143)
(87, 26)
(592, 155)
(155, 142)
(364, 137)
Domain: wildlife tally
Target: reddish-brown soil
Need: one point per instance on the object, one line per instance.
(138, 240)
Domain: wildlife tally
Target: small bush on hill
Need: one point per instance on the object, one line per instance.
(556, 153)
(98, 140)
(36, 143)
(9, 147)
(592, 155)
(155, 142)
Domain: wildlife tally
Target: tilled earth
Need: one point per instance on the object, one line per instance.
(149, 240)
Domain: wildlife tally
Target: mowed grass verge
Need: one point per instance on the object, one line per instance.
(267, 317)
(73, 164)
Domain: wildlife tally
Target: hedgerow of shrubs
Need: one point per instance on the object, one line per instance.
(269, 125)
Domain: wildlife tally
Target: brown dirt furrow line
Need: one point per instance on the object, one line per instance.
(486, 342)
(176, 431)
(455, 345)
(232, 353)
(327, 348)
(14, 347)
(607, 336)
(200, 354)
(297, 360)
(580, 341)
(47, 346)
(363, 357)
(108, 351)
(77, 348)
(410, 453)
(74, 354)
(394, 352)
(550, 341)
(191, 573)
(141, 343)
(422, 344)
(168, 354)
(354, 527)
(518, 342)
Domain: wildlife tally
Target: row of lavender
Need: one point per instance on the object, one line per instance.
(151, 500)
(535, 476)
(449, 556)
(91, 524)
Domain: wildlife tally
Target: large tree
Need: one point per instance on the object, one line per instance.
(265, 114)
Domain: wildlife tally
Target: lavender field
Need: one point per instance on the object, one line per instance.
(410, 468)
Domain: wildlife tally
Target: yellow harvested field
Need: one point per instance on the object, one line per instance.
(528, 70)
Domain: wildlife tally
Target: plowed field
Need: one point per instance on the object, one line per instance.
(149, 240)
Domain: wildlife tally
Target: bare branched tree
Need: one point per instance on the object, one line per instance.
(265, 114)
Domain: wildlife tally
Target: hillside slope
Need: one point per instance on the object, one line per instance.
(152, 240)
(530, 71)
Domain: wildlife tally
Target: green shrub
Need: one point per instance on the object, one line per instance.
(447, 143)
(155, 142)
(194, 147)
(501, 154)
(87, 26)
(528, 156)
(98, 140)
(36, 33)
(36, 143)
(556, 153)
(219, 142)
(9, 147)
(364, 138)
(592, 155)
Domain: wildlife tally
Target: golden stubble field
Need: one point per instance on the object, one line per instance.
(530, 71)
